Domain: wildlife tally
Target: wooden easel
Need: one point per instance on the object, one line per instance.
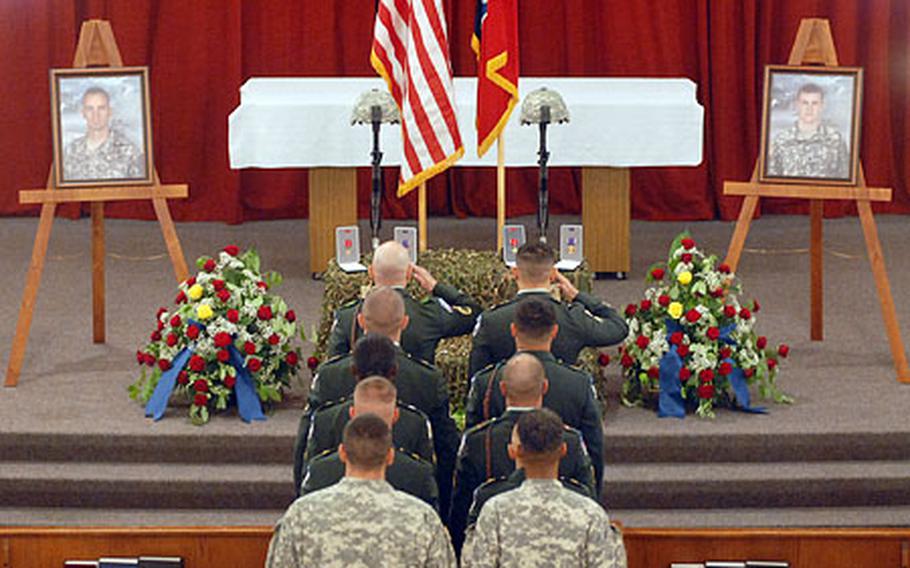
(815, 45)
(97, 48)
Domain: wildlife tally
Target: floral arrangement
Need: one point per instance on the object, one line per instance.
(226, 328)
(691, 341)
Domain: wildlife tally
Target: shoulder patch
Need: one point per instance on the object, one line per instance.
(464, 310)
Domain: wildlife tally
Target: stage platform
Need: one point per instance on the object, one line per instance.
(75, 450)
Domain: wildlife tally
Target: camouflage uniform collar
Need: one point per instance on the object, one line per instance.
(371, 484)
(534, 483)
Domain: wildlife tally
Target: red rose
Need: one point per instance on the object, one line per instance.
(254, 364)
(197, 363)
(230, 381)
(274, 339)
(171, 339)
(717, 292)
(654, 372)
(160, 325)
(693, 315)
(183, 377)
(249, 348)
(149, 359)
(631, 309)
(783, 350)
(292, 359)
(181, 298)
(749, 372)
(730, 311)
(687, 257)
(657, 273)
(684, 374)
(755, 306)
(706, 391)
(201, 385)
(233, 316)
(663, 300)
(290, 316)
(223, 295)
(223, 355)
(725, 352)
(645, 305)
(676, 338)
(603, 359)
(222, 339)
(687, 243)
(262, 285)
(192, 331)
(706, 376)
(209, 265)
(642, 342)
(772, 363)
(725, 369)
(682, 350)
(745, 314)
(626, 361)
(175, 321)
(713, 333)
(264, 313)
(140, 357)
(200, 399)
(723, 268)
(761, 342)
(156, 336)
(232, 250)
(164, 364)
(217, 284)
(190, 281)
(161, 310)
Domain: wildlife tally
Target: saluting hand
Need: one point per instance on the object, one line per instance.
(566, 288)
(423, 277)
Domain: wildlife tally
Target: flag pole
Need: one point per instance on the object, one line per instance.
(500, 191)
(422, 217)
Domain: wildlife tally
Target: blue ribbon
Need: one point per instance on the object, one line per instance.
(248, 404)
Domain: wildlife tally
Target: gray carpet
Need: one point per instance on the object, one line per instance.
(849, 427)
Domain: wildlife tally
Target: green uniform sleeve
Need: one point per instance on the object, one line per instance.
(599, 323)
(339, 341)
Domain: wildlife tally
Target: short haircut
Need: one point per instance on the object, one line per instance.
(811, 89)
(390, 263)
(535, 260)
(383, 310)
(374, 354)
(540, 432)
(535, 318)
(367, 439)
(523, 378)
(96, 91)
(375, 389)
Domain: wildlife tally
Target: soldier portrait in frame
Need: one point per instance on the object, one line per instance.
(101, 129)
(811, 125)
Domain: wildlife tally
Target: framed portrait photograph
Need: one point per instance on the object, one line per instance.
(811, 125)
(101, 129)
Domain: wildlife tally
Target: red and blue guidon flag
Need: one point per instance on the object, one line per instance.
(495, 42)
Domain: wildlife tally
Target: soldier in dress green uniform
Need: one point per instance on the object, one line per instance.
(584, 321)
(484, 448)
(569, 392)
(447, 312)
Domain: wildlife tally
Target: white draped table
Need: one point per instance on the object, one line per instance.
(615, 124)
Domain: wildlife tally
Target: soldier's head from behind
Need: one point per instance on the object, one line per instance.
(537, 444)
(383, 313)
(376, 395)
(534, 266)
(534, 326)
(810, 104)
(366, 447)
(391, 265)
(524, 381)
(374, 355)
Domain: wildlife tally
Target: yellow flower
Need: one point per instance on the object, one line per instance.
(676, 310)
(684, 278)
(204, 311)
(195, 292)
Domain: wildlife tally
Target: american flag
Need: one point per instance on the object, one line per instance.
(411, 52)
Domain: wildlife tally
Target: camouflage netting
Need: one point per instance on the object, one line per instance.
(481, 274)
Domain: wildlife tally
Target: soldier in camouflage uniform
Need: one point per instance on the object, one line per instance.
(361, 520)
(102, 153)
(542, 523)
(810, 148)
(584, 321)
(447, 312)
(484, 449)
(569, 392)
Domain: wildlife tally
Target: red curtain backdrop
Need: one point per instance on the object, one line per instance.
(201, 52)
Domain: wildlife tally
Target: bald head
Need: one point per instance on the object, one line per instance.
(383, 313)
(376, 395)
(390, 265)
(524, 381)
